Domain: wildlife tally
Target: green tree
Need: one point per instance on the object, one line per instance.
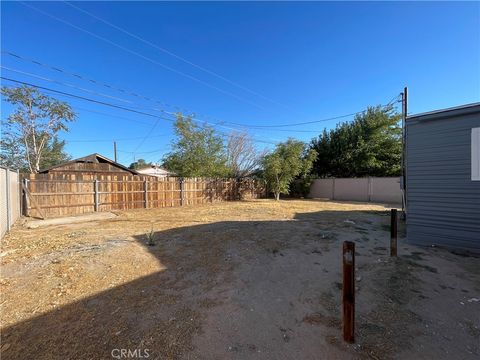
(368, 146)
(11, 155)
(139, 164)
(54, 154)
(30, 132)
(289, 160)
(196, 152)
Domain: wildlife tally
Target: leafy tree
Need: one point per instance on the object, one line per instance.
(289, 160)
(139, 164)
(54, 154)
(197, 151)
(11, 155)
(368, 146)
(33, 127)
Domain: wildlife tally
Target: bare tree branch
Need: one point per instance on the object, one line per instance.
(243, 157)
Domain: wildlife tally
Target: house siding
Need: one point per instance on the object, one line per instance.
(443, 203)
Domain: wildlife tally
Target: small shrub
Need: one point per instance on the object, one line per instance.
(300, 188)
(150, 238)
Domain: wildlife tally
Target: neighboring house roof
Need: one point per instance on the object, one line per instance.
(92, 158)
(155, 171)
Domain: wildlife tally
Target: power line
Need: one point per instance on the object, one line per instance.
(147, 135)
(308, 122)
(84, 98)
(141, 56)
(156, 116)
(160, 117)
(64, 84)
(111, 87)
(108, 104)
(219, 122)
(110, 115)
(321, 120)
(76, 107)
(141, 152)
(210, 72)
(93, 81)
(115, 139)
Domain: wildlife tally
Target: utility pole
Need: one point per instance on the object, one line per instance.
(115, 150)
(405, 101)
(404, 149)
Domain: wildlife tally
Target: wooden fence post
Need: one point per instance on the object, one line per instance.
(349, 291)
(95, 194)
(393, 232)
(145, 192)
(238, 196)
(25, 198)
(210, 189)
(181, 191)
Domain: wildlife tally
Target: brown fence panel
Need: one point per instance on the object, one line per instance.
(52, 195)
(71, 194)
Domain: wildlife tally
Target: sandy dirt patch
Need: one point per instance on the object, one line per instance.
(253, 279)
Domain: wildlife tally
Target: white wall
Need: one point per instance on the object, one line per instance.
(9, 199)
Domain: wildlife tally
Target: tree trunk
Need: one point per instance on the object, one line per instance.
(277, 196)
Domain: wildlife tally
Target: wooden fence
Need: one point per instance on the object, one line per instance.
(51, 195)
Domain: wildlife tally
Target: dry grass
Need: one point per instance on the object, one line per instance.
(91, 287)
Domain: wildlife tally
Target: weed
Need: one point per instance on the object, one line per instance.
(150, 238)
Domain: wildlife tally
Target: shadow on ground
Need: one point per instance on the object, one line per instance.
(207, 267)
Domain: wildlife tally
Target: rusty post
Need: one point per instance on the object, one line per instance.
(349, 291)
(393, 233)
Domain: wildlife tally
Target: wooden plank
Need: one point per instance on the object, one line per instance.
(34, 202)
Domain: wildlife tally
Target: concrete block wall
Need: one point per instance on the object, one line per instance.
(369, 189)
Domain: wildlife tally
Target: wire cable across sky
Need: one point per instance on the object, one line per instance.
(219, 122)
(153, 61)
(168, 52)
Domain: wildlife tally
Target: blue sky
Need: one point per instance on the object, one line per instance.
(284, 63)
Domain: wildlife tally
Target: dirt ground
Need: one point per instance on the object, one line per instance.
(243, 280)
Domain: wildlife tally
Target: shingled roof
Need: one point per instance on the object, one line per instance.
(93, 159)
